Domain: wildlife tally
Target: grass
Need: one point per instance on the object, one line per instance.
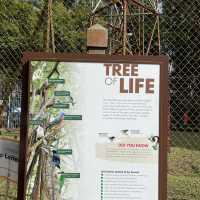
(184, 167)
(7, 189)
(186, 140)
(183, 188)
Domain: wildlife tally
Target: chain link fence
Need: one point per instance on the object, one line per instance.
(174, 32)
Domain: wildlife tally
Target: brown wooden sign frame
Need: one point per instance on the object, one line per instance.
(62, 57)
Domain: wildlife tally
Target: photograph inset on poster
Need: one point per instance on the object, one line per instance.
(93, 131)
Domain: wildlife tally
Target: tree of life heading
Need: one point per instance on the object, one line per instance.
(127, 75)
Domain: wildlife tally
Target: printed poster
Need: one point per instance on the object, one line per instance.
(93, 131)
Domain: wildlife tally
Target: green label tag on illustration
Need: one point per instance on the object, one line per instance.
(73, 117)
(56, 81)
(61, 105)
(64, 151)
(61, 93)
(70, 175)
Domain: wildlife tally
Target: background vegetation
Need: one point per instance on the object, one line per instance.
(23, 27)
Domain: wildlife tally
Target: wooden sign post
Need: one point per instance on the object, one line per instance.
(97, 39)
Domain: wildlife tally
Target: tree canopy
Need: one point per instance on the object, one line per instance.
(23, 28)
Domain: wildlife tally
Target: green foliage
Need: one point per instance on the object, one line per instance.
(18, 20)
(70, 27)
(23, 25)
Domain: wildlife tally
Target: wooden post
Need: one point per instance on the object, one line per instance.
(97, 39)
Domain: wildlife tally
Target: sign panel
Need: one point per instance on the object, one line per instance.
(9, 157)
(114, 126)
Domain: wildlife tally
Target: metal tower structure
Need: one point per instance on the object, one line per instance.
(134, 25)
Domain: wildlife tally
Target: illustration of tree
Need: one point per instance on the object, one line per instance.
(48, 134)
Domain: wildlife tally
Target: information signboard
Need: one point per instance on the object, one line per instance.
(103, 127)
(9, 153)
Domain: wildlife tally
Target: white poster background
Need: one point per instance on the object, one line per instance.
(87, 80)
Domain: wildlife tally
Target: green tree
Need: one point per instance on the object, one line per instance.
(23, 26)
(180, 40)
(70, 25)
